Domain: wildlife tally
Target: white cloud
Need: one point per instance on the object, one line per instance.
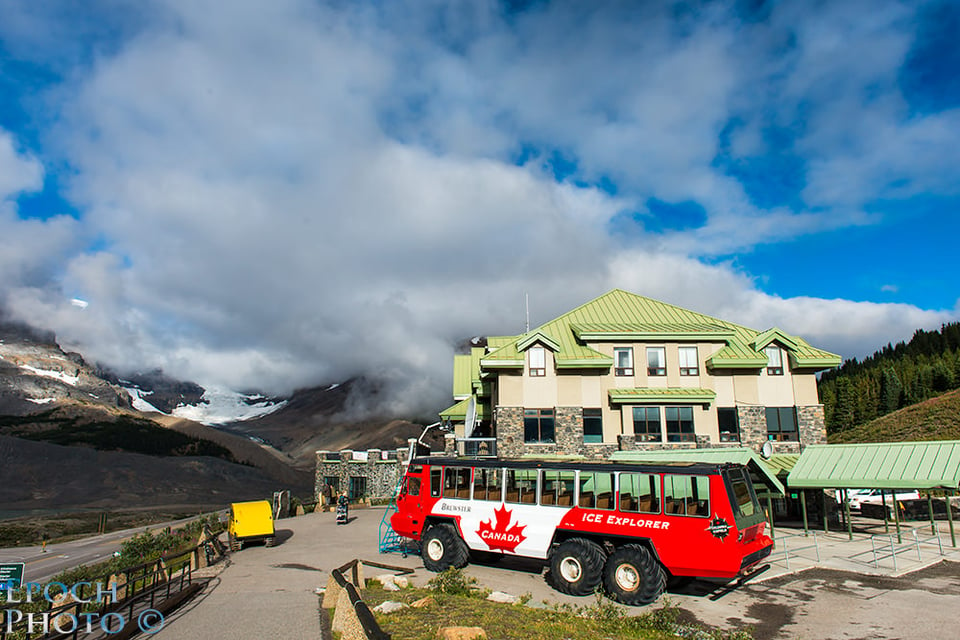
(294, 193)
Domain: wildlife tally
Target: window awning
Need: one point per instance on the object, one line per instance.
(878, 465)
(759, 472)
(669, 394)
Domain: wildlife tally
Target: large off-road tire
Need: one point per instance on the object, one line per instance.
(269, 542)
(576, 567)
(633, 576)
(441, 548)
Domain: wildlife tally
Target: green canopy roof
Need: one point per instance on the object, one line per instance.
(879, 465)
(740, 455)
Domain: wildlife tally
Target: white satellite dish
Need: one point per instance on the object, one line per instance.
(766, 450)
(470, 421)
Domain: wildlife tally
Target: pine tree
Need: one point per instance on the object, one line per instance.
(890, 391)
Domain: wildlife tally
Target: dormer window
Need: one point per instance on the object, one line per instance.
(538, 362)
(774, 360)
(623, 361)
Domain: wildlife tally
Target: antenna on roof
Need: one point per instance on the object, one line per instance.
(526, 297)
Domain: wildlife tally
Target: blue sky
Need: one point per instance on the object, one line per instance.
(266, 195)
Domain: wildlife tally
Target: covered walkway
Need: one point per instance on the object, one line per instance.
(889, 466)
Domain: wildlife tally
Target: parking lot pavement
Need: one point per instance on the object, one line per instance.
(270, 592)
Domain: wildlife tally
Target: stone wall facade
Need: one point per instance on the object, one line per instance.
(381, 474)
(812, 425)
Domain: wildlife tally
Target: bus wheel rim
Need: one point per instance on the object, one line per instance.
(435, 549)
(627, 576)
(570, 569)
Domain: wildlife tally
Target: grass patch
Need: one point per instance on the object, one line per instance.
(458, 602)
(934, 419)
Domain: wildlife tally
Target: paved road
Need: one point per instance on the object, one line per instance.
(270, 592)
(41, 566)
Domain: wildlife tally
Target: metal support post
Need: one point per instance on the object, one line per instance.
(803, 504)
(933, 522)
(883, 499)
(896, 516)
(953, 537)
(846, 514)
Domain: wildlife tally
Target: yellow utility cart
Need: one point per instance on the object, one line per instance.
(250, 522)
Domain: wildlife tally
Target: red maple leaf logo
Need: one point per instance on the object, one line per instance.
(501, 536)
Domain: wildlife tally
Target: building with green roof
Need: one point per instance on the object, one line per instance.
(624, 372)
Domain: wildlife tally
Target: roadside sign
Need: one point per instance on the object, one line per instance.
(12, 573)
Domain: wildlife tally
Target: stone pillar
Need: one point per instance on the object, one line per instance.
(811, 425)
(449, 444)
(508, 422)
(627, 441)
(568, 430)
(753, 426)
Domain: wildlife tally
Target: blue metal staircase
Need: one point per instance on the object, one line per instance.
(390, 540)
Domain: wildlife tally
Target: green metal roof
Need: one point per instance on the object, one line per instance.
(780, 464)
(741, 455)
(620, 315)
(462, 377)
(879, 465)
(669, 394)
(459, 410)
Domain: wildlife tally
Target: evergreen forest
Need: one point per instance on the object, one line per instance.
(892, 378)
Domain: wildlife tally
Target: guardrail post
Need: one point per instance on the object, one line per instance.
(893, 549)
(916, 542)
(873, 547)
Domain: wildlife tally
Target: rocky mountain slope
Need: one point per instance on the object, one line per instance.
(74, 435)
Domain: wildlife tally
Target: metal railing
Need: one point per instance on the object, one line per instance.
(890, 549)
(160, 585)
(782, 547)
(477, 447)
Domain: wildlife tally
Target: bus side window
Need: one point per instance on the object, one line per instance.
(686, 495)
(436, 481)
(521, 486)
(456, 482)
(640, 492)
(596, 490)
(486, 484)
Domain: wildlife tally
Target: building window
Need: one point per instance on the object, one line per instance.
(680, 424)
(592, 425)
(656, 361)
(729, 424)
(623, 361)
(689, 364)
(782, 424)
(646, 424)
(774, 360)
(538, 362)
(538, 426)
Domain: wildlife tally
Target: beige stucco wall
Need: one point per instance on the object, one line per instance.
(590, 390)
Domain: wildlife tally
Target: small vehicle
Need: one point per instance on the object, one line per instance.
(857, 497)
(250, 522)
(623, 527)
